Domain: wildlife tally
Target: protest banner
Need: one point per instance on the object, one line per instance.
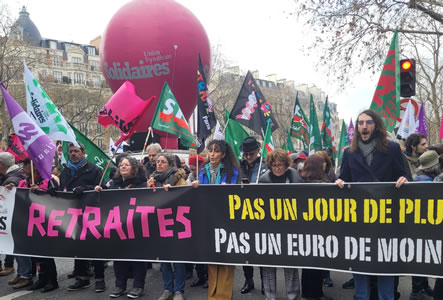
(371, 228)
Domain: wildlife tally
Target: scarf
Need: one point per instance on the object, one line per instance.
(161, 178)
(214, 173)
(367, 149)
(74, 167)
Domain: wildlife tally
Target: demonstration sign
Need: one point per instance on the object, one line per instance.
(367, 228)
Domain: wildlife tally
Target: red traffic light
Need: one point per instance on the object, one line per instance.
(406, 64)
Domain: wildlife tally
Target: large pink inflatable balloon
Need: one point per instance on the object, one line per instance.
(149, 42)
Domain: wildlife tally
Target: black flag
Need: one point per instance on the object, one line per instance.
(206, 116)
(251, 109)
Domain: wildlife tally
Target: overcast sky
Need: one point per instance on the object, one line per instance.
(254, 34)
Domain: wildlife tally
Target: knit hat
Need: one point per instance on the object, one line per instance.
(193, 160)
(428, 159)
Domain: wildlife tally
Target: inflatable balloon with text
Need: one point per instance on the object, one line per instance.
(149, 42)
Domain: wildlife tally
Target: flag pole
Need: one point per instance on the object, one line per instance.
(226, 126)
(145, 144)
(32, 173)
(108, 164)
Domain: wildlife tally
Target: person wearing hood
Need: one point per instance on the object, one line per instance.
(130, 175)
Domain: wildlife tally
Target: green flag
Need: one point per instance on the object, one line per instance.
(290, 148)
(300, 124)
(386, 100)
(268, 142)
(168, 117)
(94, 154)
(314, 130)
(344, 141)
(327, 131)
(234, 135)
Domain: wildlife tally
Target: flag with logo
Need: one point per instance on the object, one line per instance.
(300, 124)
(422, 128)
(350, 132)
(44, 112)
(327, 131)
(124, 110)
(408, 123)
(40, 148)
(94, 154)
(218, 132)
(386, 100)
(251, 109)
(314, 130)
(113, 149)
(234, 135)
(168, 117)
(268, 142)
(290, 146)
(205, 113)
(15, 147)
(344, 142)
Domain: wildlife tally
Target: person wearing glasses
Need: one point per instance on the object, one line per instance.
(130, 175)
(279, 171)
(249, 170)
(166, 175)
(372, 158)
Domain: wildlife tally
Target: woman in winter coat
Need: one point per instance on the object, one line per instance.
(279, 171)
(130, 174)
(314, 171)
(222, 168)
(166, 175)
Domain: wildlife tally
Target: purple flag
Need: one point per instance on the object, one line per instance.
(39, 146)
(350, 132)
(422, 128)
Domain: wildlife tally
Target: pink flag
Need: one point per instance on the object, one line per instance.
(15, 147)
(350, 132)
(39, 146)
(124, 110)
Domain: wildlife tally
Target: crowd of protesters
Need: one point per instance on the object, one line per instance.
(371, 157)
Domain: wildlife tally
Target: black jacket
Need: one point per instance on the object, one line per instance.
(132, 183)
(15, 176)
(87, 176)
(292, 176)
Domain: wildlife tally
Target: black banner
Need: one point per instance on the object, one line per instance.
(368, 228)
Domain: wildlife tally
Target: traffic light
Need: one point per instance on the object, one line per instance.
(407, 77)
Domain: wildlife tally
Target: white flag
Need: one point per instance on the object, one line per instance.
(46, 115)
(408, 123)
(218, 132)
(113, 148)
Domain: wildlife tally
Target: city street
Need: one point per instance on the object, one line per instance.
(154, 286)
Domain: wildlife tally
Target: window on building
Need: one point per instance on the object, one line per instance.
(77, 61)
(101, 143)
(91, 51)
(99, 129)
(96, 81)
(43, 74)
(56, 60)
(58, 76)
(94, 65)
(52, 45)
(84, 127)
(79, 78)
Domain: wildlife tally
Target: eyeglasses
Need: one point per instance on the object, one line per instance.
(368, 122)
(161, 162)
(278, 166)
(247, 154)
